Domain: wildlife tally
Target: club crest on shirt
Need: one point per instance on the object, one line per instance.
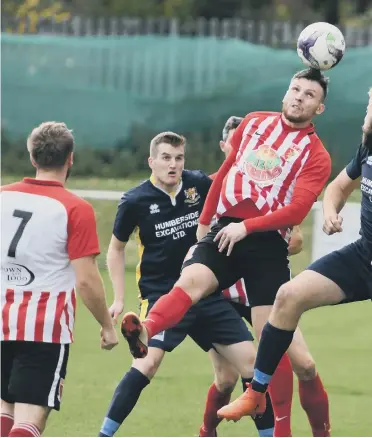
(191, 196)
(263, 165)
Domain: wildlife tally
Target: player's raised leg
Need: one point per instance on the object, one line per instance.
(306, 291)
(281, 385)
(313, 396)
(196, 282)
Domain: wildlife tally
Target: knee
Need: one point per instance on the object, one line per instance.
(287, 297)
(197, 281)
(7, 408)
(306, 370)
(191, 287)
(225, 380)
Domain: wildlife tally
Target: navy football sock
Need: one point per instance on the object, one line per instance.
(273, 344)
(264, 423)
(125, 398)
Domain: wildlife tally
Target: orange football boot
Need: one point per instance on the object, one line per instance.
(251, 403)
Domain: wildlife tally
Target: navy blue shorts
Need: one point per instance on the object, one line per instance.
(211, 321)
(244, 311)
(350, 268)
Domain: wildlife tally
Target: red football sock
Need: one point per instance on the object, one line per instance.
(281, 392)
(24, 429)
(167, 311)
(7, 422)
(215, 401)
(314, 400)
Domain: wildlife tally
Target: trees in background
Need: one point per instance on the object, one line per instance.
(333, 11)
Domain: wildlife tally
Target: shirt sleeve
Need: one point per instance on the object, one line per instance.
(125, 220)
(82, 237)
(354, 168)
(316, 171)
(286, 217)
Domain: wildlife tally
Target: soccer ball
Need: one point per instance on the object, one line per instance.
(321, 46)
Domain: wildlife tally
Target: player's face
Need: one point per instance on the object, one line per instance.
(303, 100)
(226, 145)
(168, 164)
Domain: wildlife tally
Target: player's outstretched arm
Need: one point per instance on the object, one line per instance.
(341, 187)
(335, 197)
(90, 287)
(115, 260)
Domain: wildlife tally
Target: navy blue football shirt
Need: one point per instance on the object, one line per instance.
(361, 166)
(165, 228)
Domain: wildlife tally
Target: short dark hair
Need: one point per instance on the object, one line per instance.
(168, 137)
(50, 144)
(232, 123)
(313, 74)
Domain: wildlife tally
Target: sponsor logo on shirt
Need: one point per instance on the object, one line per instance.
(263, 165)
(177, 227)
(366, 187)
(16, 275)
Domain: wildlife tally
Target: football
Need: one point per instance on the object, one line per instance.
(321, 46)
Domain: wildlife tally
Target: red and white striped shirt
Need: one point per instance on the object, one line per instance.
(271, 161)
(43, 228)
(237, 293)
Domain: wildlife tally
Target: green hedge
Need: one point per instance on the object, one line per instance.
(125, 158)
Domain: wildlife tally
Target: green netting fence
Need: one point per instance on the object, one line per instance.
(103, 86)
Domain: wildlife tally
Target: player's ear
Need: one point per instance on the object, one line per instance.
(222, 146)
(320, 109)
(33, 162)
(70, 159)
(150, 161)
